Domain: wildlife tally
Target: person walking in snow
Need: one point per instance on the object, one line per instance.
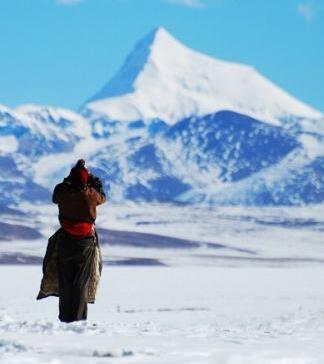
(72, 263)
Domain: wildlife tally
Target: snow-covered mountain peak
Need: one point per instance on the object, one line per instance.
(147, 48)
(160, 38)
(3, 108)
(164, 79)
(45, 119)
(47, 111)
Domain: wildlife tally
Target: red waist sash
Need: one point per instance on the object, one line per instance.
(78, 229)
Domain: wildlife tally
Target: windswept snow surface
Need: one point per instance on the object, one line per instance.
(171, 316)
(163, 79)
(250, 292)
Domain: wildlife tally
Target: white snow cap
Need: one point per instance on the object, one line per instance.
(164, 79)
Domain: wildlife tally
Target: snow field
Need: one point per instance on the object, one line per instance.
(250, 315)
(237, 236)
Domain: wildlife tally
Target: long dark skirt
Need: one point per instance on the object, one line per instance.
(75, 257)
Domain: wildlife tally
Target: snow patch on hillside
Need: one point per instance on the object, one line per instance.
(8, 144)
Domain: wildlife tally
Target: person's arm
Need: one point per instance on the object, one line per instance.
(96, 183)
(56, 193)
(101, 199)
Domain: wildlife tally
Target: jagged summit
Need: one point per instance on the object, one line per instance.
(162, 78)
(123, 81)
(160, 33)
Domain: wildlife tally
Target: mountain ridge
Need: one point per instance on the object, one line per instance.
(166, 141)
(164, 79)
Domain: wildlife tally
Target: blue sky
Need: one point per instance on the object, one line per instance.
(60, 52)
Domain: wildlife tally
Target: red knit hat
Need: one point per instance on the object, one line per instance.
(79, 173)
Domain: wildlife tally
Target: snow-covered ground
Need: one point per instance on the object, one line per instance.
(240, 315)
(250, 292)
(200, 236)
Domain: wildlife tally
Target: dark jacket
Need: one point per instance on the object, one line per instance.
(77, 204)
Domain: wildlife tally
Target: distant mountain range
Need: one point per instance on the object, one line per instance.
(176, 126)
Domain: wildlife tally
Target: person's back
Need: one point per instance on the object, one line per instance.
(77, 204)
(77, 198)
(76, 242)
